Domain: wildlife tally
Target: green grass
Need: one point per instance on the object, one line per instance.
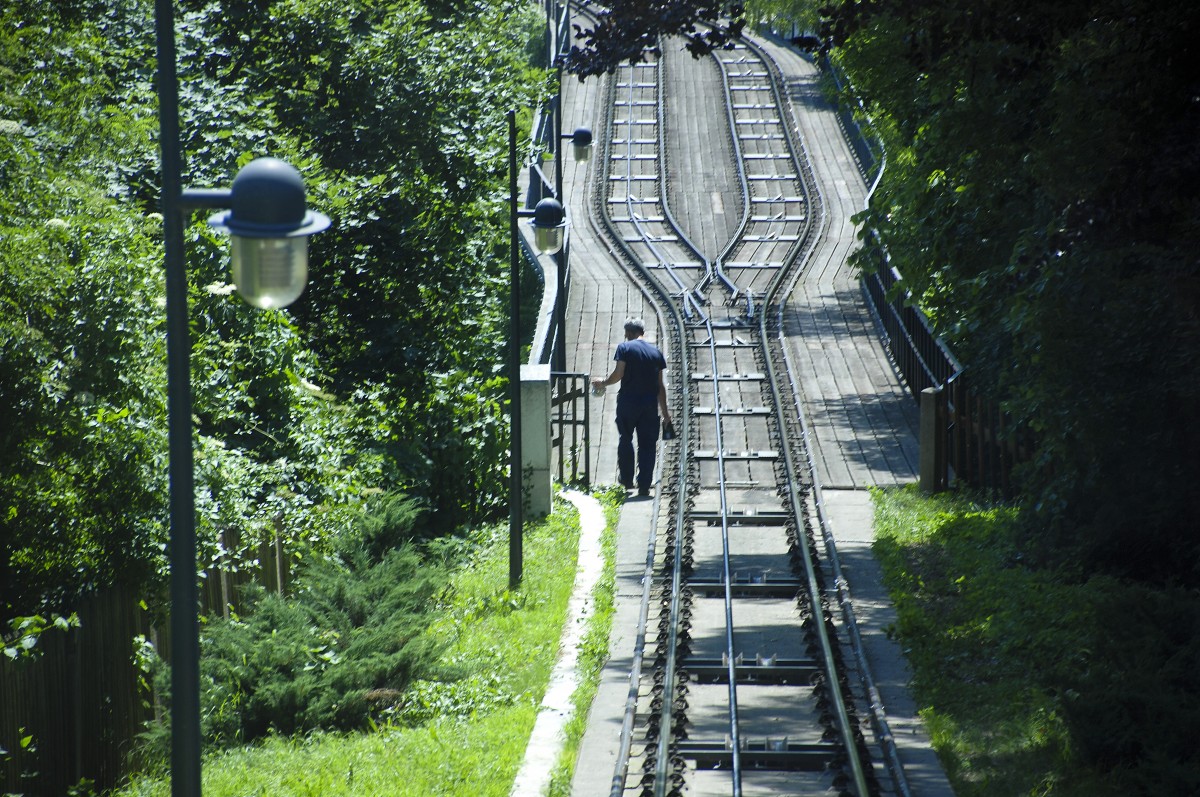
(1037, 681)
(465, 737)
(445, 757)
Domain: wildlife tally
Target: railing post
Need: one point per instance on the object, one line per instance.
(536, 439)
(932, 457)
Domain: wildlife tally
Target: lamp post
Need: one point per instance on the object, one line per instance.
(270, 225)
(549, 222)
(581, 141)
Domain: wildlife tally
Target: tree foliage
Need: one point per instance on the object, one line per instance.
(623, 31)
(1040, 200)
(383, 377)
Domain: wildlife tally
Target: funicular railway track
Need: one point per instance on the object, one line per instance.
(738, 686)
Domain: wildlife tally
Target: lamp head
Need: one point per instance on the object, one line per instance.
(270, 225)
(549, 222)
(581, 144)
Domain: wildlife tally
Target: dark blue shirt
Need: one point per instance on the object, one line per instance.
(643, 362)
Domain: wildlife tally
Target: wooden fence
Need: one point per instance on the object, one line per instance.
(79, 701)
(266, 564)
(983, 445)
(82, 699)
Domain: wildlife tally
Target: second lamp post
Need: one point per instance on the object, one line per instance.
(549, 224)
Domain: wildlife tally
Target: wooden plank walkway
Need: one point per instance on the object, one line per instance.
(601, 294)
(862, 423)
(861, 418)
(704, 198)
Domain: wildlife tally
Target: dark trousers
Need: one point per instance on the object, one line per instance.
(642, 420)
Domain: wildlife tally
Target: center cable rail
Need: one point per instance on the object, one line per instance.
(758, 263)
(643, 238)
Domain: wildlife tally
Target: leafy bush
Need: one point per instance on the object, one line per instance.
(1052, 236)
(1133, 708)
(345, 645)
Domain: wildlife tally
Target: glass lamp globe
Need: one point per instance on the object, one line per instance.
(548, 225)
(269, 224)
(270, 272)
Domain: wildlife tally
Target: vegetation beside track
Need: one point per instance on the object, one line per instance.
(462, 728)
(381, 380)
(593, 653)
(1040, 202)
(1038, 680)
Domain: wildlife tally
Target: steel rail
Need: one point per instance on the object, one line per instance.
(665, 753)
(664, 759)
(845, 726)
(798, 158)
(808, 558)
(740, 163)
(677, 329)
(664, 195)
(689, 302)
(883, 733)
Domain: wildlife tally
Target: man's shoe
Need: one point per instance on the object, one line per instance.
(643, 492)
(627, 485)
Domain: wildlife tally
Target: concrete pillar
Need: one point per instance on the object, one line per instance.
(931, 460)
(535, 439)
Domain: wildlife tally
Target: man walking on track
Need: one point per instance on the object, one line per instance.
(643, 394)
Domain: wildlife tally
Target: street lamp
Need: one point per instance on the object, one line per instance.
(270, 227)
(581, 141)
(549, 225)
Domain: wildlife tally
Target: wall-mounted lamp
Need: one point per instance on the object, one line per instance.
(581, 143)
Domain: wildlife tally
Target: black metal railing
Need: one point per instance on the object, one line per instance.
(570, 435)
(922, 358)
(977, 442)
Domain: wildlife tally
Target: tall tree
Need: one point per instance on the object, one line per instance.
(1040, 202)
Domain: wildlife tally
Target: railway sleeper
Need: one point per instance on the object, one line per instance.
(783, 671)
(764, 587)
(744, 517)
(780, 755)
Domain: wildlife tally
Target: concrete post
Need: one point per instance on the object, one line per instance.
(535, 439)
(930, 459)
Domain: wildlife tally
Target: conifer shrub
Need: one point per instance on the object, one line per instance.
(336, 651)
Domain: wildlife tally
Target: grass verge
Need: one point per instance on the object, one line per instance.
(1037, 681)
(593, 649)
(471, 732)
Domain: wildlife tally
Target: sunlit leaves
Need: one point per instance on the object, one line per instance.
(383, 375)
(624, 30)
